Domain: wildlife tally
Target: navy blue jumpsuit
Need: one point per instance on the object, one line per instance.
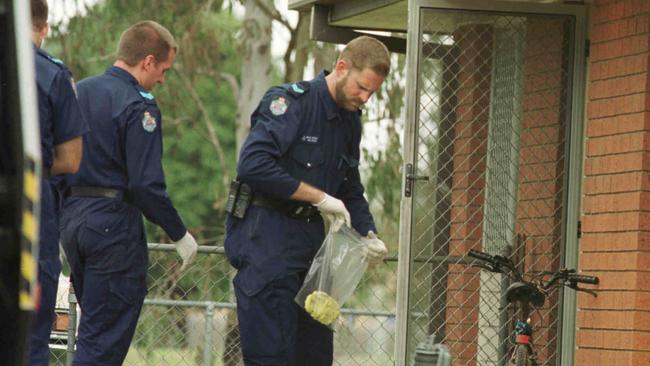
(60, 121)
(103, 237)
(297, 134)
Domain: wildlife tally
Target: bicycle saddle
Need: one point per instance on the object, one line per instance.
(524, 292)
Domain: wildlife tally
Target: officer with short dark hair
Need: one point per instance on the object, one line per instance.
(61, 127)
(120, 179)
(298, 165)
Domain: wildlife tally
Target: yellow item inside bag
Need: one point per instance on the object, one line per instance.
(322, 307)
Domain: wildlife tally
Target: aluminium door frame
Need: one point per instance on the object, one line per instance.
(573, 165)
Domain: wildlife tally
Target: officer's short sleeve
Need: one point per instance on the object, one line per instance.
(68, 122)
(147, 188)
(274, 126)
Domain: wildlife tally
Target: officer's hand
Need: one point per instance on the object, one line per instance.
(333, 210)
(186, 248)
(375, 248)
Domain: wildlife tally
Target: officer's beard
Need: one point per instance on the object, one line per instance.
(342, 100)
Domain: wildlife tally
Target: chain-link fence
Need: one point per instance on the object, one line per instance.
(492, 115)
(190, 318)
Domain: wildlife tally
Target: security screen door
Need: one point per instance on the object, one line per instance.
(492, 161)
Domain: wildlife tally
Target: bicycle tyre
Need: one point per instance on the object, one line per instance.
(521, 355)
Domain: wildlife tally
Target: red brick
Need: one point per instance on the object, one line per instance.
(624, 85)
(616, 202)
(616, 48)
(542, 135)
(608, 319)
(635, 122)
(628, 240)
(538, 190)
(597, 357)
(620, 182)
(618, 67)
(615, 106)
(617, 144)
(612, 261)
(621, 280)
(541, 117)
(620, 163)
(616, 222)
(613, 339)
(615, 300)
(537, 172)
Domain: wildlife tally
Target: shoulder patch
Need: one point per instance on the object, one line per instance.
(147, 95)
(148, 122)
(55, 60)
(297, 88)
(279, 106)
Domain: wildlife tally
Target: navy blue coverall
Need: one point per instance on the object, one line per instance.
(104, 237)
(297, 134)
(60, 121)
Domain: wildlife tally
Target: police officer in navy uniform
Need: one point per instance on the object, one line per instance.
(300, 162)
(61, 127)
(121, 178)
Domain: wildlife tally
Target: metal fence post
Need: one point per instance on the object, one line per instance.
(72, 326)
(207, 348)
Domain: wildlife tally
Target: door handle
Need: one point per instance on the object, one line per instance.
(410, 178)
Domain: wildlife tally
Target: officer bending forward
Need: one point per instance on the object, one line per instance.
(300, 163)
(120, 179)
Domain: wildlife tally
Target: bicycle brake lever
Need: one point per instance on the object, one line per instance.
(577, 288)
(482, 266)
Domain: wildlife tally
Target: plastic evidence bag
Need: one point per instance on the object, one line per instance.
(334, 274)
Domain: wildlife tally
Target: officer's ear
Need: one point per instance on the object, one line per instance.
(149, 62)
(341, 68)
(45, 31)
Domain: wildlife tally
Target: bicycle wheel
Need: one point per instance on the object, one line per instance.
(520, 355)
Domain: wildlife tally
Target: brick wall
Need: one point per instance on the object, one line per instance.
(614, 329)
(470, 147)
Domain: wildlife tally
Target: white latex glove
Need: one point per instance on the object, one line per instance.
(186, 248)
(375, 248)
(333, 210)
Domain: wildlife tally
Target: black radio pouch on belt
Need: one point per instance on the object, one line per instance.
(239, 198)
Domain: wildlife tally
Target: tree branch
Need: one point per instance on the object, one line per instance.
(274, 14)
(213, 138)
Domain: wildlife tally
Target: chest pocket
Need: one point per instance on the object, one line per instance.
(307, 160)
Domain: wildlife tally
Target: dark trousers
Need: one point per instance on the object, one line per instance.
(274, 330)
(105, 245)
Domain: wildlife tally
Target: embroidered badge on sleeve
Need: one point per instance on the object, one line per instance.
(148, 122)
(278, 106)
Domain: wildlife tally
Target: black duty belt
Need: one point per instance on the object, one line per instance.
(88, 191)
(295, 210)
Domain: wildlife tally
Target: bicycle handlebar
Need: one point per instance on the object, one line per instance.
(583, 279)
(504, 265)
(480, 255)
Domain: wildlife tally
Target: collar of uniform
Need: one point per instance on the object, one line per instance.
(331, 108)
(121, 74)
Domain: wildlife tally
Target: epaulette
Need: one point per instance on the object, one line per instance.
(58, 62)
(297, 89)
(147, 96)
(55, 60)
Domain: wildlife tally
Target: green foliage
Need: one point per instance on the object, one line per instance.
(194, 99)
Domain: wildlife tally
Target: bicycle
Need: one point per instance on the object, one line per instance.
(529, 294)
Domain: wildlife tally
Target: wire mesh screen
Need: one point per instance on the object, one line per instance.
(191, 319)
(491, 131)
